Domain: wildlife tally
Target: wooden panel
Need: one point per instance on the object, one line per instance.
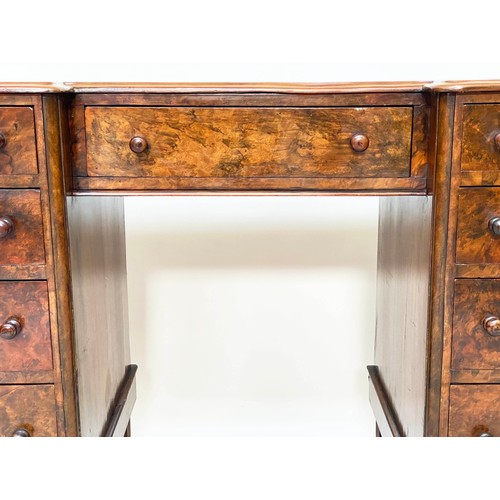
(481, 124)
(97, 247)
(30, 350)
(248, 142)
(24, 244)
(133, 185)
(28, 406)
(292, 88)
(473, 347)
(476, 244)
(474, 409)
(402, 304)
(18, 156)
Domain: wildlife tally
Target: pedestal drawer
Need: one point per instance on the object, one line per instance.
(25, 345)
(476, 325)
(27, 410)
(478, 230)
(481, 137)
(21, 230)
(17, 141)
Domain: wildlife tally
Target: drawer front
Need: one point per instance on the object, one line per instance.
(476, 325)
(21, 231)
(17, 141)
(481, 142)
(29, 407)
(248, 142)
(474, 409)
(476, 242)
(24, 332)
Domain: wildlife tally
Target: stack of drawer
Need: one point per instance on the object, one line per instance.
(475, 346)
(27, 396)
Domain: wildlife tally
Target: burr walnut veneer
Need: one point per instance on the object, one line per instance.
(70, 152)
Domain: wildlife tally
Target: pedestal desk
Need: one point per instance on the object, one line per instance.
(70, 152)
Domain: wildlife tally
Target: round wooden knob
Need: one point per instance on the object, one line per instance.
(10, 328)
(359, 142)
(22, 432)
(496, 140)
(494, 225)
(138, 144)
(3, 140)
(6, 226)
(485, 435)
(492, 325)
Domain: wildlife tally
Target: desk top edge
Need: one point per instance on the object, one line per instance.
(458, 86)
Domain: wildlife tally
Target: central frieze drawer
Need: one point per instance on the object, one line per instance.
(248, 142)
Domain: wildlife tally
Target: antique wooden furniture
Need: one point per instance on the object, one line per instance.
(432, 150)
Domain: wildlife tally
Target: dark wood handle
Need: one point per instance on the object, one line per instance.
(359, 143)
(138, 144)
(3, 140)
(22, 432)
(492, 325)
(496, 140)
(6, 226)
(11, 328)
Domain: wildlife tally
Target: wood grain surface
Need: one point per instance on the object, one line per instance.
(481, 123)
(18, 156)
(28, 406)
(476, 244)
(474, 409)
(30, 350)
(99, 284)
(24, 244)
(403, 274)
(248, 142)
(473, 348)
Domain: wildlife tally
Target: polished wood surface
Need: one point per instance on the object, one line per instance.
(23, 244)
(17, 141)
(257, 87)
(476, 341)
(28, 407)
(247, 142)
(99, 291)
(476, 242)
(474, 410)
(481, 137)
(403, 274)
(63, 260)
(29, 350)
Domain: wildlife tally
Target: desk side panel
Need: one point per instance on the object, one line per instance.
(99, 284)
(404, 263)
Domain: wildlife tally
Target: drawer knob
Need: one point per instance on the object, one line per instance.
(359, 143)
(22, 432)
(6, 226)
(496, 140)
(10, 328)
(138, 144)
(3, 140)
(485, 435)
(492, 325)
(494, 225)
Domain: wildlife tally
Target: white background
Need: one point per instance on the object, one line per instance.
(258, 41)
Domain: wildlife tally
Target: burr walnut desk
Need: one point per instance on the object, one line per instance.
(69, 153)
